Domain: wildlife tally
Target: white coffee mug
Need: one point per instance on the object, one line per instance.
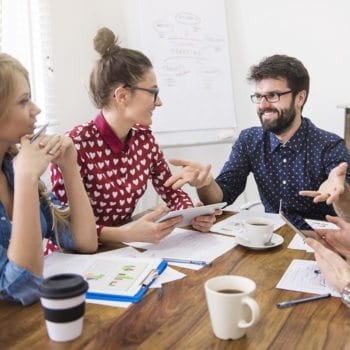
(230, 305)
(258, 231)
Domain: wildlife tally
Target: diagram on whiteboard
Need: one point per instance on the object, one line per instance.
(187, 43)
(190, 51)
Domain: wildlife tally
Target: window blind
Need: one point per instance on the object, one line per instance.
(25, 34)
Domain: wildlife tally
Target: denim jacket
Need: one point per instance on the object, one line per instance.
(17, 283)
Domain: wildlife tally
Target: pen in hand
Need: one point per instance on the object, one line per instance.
(39, 132)
(289, 303)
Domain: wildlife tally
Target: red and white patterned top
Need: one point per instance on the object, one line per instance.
(115, 174)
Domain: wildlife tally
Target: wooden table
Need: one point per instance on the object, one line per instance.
(180, 320)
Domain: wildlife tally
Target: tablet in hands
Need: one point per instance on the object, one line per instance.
(190, 213)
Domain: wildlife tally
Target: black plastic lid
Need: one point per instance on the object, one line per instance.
(62, 286)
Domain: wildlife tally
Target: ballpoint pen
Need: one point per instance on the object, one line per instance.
(188, 261)
(285, 304)
(148, 280)
(39, 132)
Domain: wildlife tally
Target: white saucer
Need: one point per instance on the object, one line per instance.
(276, 240)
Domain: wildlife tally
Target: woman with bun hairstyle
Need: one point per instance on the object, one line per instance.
(117, 152)
(28, 213)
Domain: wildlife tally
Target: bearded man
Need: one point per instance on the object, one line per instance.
(286, 155)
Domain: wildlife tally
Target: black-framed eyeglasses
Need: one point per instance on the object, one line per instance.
(153, 91)
(272, 96)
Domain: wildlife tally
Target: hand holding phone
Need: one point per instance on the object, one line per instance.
(298, 224)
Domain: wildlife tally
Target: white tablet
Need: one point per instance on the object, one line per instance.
(190, 213)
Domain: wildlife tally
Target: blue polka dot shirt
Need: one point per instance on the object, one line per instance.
(281, 171)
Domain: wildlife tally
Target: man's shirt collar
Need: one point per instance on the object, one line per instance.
(295, 143)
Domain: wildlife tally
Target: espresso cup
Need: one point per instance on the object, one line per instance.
(230, 305)
(63, 300)
(258, 231)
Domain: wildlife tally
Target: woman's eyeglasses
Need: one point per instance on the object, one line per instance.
(153, 91)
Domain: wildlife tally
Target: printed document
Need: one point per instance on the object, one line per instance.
(188, 245)
(304, 276)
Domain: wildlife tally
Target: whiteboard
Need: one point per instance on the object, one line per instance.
(187, 43)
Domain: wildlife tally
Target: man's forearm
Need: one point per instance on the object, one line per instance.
(210, 194)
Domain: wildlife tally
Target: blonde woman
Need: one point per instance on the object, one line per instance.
(28, 213)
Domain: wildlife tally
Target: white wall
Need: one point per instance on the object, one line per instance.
(314, 31)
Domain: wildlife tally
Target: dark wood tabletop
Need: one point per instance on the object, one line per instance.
(180, 319)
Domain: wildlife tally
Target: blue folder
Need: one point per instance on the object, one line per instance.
(150, 278)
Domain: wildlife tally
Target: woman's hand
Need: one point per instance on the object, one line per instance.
(146, 229)
(32, 159)
(336, 239)
(333, 267)
(65, 152)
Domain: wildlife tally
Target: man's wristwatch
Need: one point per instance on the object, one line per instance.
(345, 295)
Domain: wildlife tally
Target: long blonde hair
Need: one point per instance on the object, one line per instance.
(8, 67)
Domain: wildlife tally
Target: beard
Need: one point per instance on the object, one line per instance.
(284, 120)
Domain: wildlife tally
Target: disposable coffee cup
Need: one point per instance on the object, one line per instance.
(63, 300)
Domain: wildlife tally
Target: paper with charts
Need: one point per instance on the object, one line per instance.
(304, 276)
(105, 274)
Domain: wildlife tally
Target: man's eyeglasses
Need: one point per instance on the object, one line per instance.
(270, 97)
(153, 91)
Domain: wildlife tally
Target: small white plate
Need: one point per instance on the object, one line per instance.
(276, 240)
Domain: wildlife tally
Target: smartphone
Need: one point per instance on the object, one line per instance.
(298, 224)
(39, 132)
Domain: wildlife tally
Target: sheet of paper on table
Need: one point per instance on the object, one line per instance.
(188, 245)
(232, 226)
(304, 276)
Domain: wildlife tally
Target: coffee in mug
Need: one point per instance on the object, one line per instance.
(258, 231)
(231, 306)
(63, 300)
(230, 291)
